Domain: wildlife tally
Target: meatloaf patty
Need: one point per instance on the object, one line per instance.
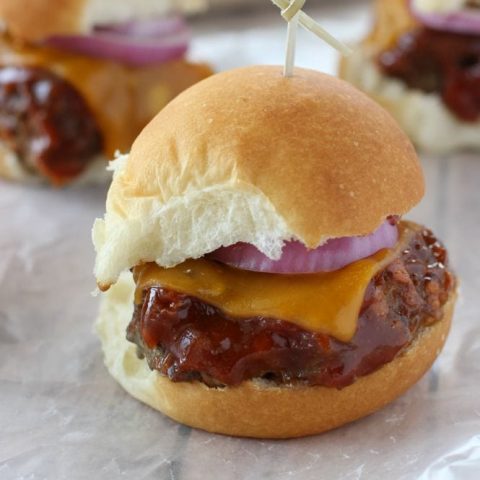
(46, 122)
(186, 339)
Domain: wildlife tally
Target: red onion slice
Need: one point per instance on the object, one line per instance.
(133, 43)
(155, 28)
(465, 21)
(296, 258)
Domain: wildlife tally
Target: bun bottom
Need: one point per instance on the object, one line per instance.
(258, 408)
(423, 116)
(12, 169)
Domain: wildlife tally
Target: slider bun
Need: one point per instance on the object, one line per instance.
(34, 20)
(248, 155)
(257, 408)
(12, 169)
(423, 116)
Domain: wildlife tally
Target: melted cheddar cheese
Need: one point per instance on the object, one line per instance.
(123, 99)
(322, 302)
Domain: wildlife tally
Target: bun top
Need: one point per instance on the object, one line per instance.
(249, 155)
(34, 20)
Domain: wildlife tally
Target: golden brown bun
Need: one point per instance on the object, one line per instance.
(248, 155)
(34, 20)
(257, 408)
(423, 116)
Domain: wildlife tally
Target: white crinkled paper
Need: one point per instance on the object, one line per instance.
(63, 417)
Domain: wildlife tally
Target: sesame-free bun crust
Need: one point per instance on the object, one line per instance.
(423, 116)
(256, 408)
(34, 20)
(249, 155)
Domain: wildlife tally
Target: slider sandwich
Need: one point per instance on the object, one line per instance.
(422, 62)
(260, 279)
(79, 79)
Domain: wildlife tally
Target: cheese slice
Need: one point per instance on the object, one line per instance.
(123, 99)
(323, 302)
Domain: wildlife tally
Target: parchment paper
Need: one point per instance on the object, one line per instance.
(63, 417)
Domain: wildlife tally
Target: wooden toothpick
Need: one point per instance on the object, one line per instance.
(292, 28)
(293, 14)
